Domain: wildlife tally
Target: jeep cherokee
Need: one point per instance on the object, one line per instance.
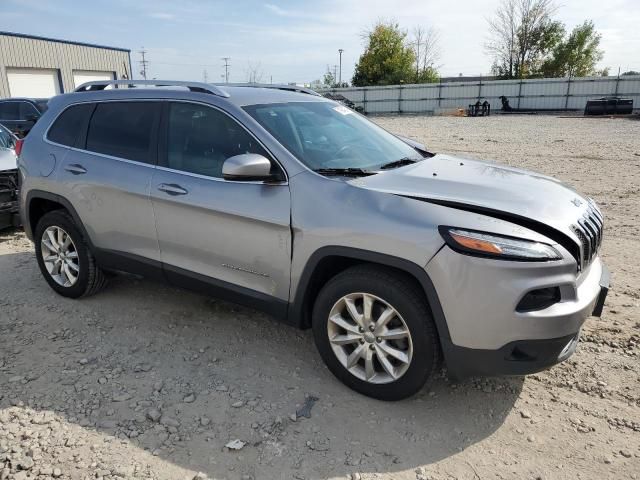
(280, 199)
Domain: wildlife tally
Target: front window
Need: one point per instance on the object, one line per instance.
(324, 135)
(200, 139)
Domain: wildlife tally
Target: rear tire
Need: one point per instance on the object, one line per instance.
(64, 258)
(374, 330)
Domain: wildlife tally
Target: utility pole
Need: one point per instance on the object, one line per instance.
(226, 69)
(340, 50)
(205, 77)
(143, 63)
(335, 73)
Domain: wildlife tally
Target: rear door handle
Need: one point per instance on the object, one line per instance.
(75, 169)
(172, 189)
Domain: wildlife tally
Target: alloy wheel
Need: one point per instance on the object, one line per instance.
(60, 256)
(370, 338)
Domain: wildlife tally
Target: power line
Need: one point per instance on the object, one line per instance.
(226, 69)
(143, 64)
(187, 64)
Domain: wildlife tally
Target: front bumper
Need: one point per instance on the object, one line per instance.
(9, 215)
(487, 336)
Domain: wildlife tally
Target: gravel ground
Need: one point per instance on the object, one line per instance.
(146, 381)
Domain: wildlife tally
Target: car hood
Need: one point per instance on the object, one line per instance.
(7, 159)
(484, 186)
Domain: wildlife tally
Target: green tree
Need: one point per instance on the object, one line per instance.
(387, 59)
(630, 72)
(329, 79)
(576, 56)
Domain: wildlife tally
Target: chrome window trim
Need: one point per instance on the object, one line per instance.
(219, 179)
(160, 167)
(110, 157)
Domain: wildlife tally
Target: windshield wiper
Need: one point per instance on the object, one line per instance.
(351, 172)
(399, 163)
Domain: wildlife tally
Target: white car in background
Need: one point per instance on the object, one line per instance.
(8, 179)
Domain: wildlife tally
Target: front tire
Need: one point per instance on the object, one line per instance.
(374, 330)
(64, 258)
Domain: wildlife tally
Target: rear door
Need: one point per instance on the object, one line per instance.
(225, 233)
(107, 177)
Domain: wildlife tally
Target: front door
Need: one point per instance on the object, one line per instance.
(230, 234)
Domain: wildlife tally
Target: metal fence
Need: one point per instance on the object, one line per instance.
(534, 94)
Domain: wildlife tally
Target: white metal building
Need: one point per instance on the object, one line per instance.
(41, 67)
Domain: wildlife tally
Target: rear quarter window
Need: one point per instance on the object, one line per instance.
(66, 129)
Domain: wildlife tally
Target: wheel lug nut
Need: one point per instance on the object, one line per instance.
(362, 340)
(378, 339)
(371, 347)
(360, 329)
(371, 328)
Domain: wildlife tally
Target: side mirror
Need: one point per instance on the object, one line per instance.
(247, 167)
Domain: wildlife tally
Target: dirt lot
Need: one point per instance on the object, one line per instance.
(146, 381)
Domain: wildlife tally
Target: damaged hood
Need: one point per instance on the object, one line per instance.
(484, 186)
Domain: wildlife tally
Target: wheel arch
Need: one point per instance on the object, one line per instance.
(328, 261)
(39, 202)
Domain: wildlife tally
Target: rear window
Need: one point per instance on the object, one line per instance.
(28, 111)
(42, 105)
(9, 111)
(123, 129)
(68, 126)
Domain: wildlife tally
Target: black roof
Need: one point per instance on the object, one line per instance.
(57, 40)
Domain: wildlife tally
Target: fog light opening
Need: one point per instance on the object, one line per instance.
(539, 299)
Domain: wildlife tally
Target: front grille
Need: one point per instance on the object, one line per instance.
(589, 229)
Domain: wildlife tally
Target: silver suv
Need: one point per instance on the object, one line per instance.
(280, 199)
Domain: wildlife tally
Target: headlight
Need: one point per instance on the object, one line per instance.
(483, 244)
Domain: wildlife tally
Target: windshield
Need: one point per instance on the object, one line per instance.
(324, 135)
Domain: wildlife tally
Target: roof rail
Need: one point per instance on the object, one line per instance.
(290, 88)
(192, 86)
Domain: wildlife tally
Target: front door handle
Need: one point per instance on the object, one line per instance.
(172, 189)
(75, 169)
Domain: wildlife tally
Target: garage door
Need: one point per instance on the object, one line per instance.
(33, 83)
(83, 76)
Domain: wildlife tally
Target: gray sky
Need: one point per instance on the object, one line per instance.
(294, 40)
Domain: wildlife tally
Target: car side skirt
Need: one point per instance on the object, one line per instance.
(125, 262)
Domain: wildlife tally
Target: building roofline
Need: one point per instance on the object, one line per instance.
(57, 40)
